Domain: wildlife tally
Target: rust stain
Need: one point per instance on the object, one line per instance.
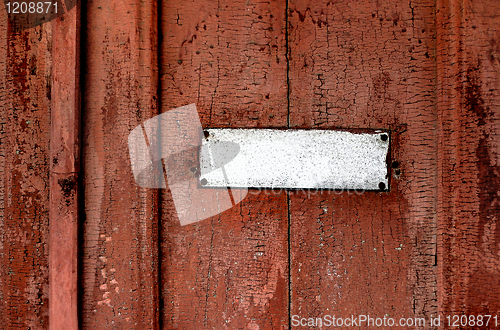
(68, 187)
(485, 266)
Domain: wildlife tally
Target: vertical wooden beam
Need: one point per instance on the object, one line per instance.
(64, 172)
(120, 239)
(229, 271)
(468, 103)
(367, 64)
(25, 79)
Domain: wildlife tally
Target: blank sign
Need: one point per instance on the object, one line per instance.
(294, 159)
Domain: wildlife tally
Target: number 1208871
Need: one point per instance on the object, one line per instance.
(31, 7)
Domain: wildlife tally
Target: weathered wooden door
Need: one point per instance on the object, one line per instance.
(82, 243)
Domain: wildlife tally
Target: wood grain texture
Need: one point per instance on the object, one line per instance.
(427, 70)
(468, 97)
(229, 271)
(228, 57)
(25, 79)
(64, 172)
(119, 257)
(366, 64)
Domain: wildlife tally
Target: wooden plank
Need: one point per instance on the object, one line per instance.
(64, 172)
(366, 65)
(25, 78)
(468, 66)
(228, 58)
(229, 271)
(119, 253)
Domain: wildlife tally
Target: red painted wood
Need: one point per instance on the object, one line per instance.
(119, 253)
(64, 173)
(366, 65)
(426, 70)
(25, 71)
(468, 48)
(227, 57)
(228, 271)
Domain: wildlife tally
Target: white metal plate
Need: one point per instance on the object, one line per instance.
(294, 159)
